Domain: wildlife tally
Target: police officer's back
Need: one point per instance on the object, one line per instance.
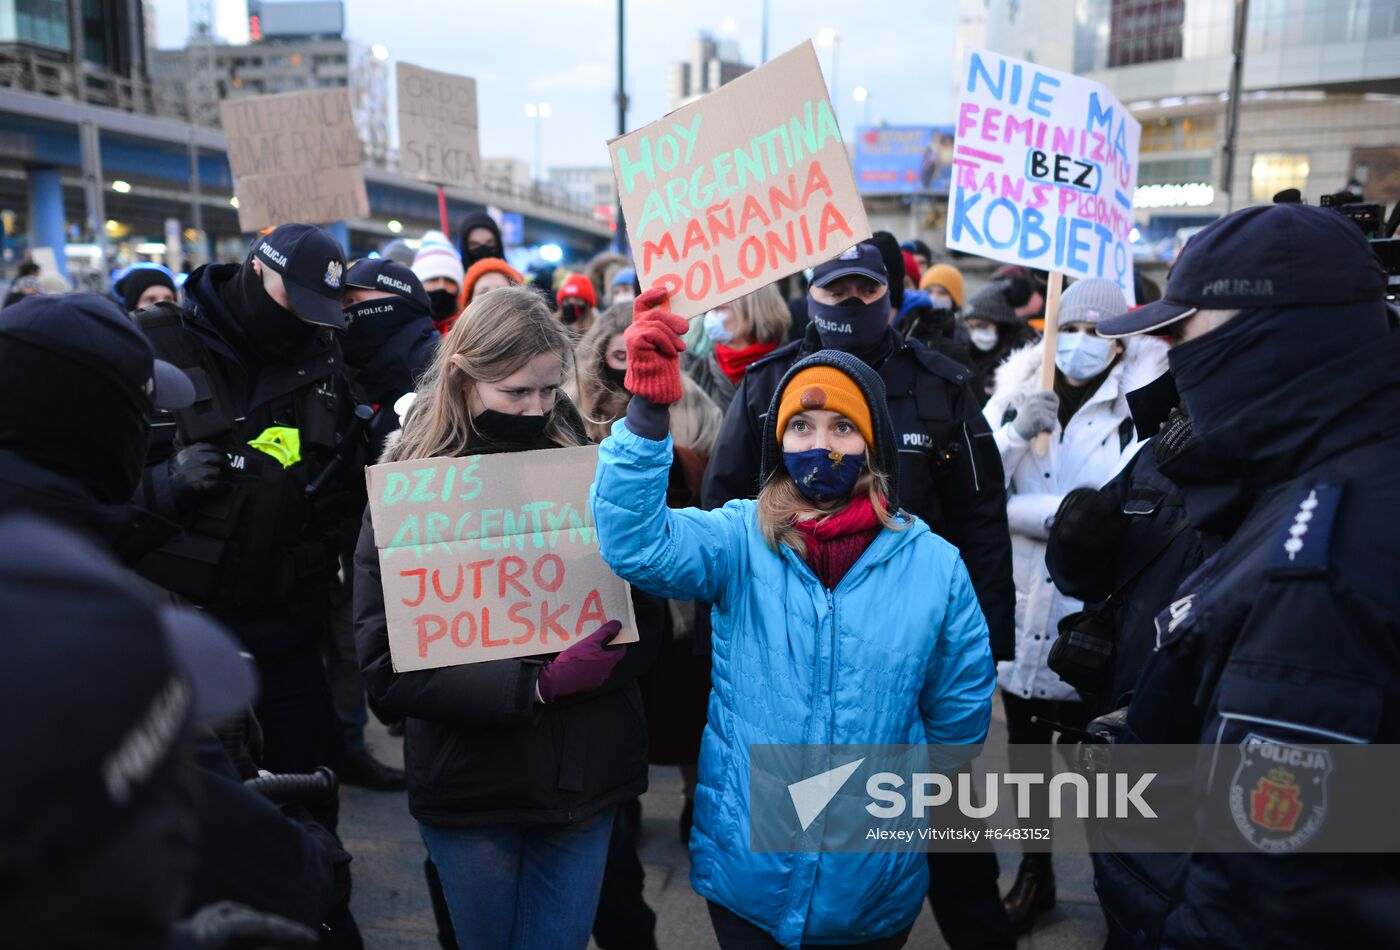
(1285, 638)
(950, 473)
(262, 468)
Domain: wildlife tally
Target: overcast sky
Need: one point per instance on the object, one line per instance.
(564, 53)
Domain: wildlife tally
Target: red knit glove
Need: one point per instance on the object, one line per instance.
(653, 349)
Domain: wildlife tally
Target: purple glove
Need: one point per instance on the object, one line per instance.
(582, 667)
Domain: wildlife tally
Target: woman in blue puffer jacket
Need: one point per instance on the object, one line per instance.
(837, 619)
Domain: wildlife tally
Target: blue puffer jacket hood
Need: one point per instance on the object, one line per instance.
(877, 659)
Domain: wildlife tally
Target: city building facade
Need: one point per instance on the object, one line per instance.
(1319, 109)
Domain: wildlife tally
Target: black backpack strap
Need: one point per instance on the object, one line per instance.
(1125, 433)
(209, 418)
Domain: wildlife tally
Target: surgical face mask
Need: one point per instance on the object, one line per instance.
(1082, 356)
(715, 329)
(939, 303)
(984, 338)
(851, 325)
(823, 475)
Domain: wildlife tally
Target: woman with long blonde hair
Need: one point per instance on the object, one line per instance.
(837, 619)
(515, 767)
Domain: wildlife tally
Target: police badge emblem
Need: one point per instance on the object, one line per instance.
(333, 272)
(1278, 797)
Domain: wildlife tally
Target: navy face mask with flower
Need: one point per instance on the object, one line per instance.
(822, 475)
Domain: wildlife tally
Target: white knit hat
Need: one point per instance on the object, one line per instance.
(437, 257)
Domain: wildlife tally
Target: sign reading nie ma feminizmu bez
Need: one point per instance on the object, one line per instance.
(491, 556)
(739, 188)
(1044, 169)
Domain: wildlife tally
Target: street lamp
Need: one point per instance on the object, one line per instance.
(862, 95)
(538, 111)
(827, 37)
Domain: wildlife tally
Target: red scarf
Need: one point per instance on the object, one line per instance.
(834, 544)
(732, 362)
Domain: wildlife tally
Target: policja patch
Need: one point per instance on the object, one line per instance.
(1278, 797)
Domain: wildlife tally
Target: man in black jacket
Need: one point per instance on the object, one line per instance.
(1284, 640)
(950, 475)
(1123, 549)
(262, 471)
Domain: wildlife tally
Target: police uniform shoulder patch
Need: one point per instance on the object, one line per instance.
(1301, 544)
(1175, 619)
(1278, 796)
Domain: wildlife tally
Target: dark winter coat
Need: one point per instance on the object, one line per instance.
(950, 472)
(127, 531)
(285, 542)
(1286, 636)
(479, 750)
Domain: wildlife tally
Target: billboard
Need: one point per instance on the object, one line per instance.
(902, 159)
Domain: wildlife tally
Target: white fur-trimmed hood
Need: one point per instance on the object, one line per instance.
(1144, 359)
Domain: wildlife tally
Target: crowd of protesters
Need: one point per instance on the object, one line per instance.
(839, 527)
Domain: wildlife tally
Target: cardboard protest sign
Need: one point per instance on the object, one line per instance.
(740, 188)
(295, 156)
(437, 127)
(491, 556)
(1045, 166)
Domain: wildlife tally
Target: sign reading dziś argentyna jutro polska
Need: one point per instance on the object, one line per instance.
(491, 556)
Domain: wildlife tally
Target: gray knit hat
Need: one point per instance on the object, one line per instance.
(1091, 300)
(991, 304)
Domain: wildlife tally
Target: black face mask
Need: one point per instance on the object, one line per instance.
(444, 303)
(571, 313)
(510, 429)
(73, 419)
(481, 254)
(851, 325)
(615, 377)
(372, 323)
(273, 332)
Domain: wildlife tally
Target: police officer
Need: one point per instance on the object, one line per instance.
(78, 385)
(950, 475)
(1122, 549)
(1286, 638)
(100, 821)
(391, 338)
(262, 469)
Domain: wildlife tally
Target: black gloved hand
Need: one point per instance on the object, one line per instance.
(231, 926)
(197, 471)
(1089, 520)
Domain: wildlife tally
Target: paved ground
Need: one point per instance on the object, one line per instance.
(391, 900)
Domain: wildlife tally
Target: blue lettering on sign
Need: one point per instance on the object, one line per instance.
(961, 220)
(1042, 85)
(1039, 99)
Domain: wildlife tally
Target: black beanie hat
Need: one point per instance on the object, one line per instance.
(893, 256)
(872, 387)
(141, 279)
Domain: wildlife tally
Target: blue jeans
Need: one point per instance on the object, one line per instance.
(522, 887)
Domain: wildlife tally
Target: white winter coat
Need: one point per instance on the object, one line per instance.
(1086, 454)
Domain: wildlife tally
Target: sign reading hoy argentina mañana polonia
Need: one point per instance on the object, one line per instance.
(739, 188)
